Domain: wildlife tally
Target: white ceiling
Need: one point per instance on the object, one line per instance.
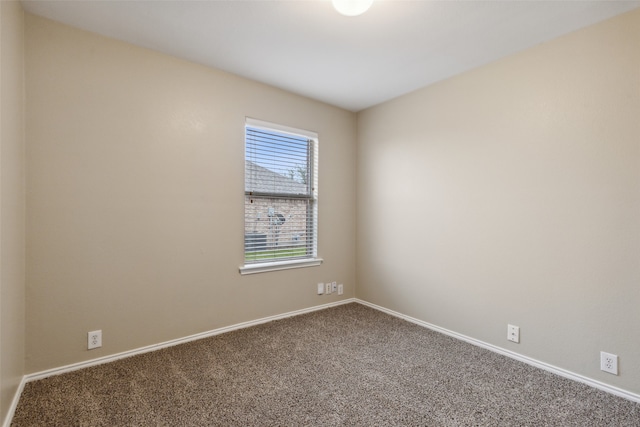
(306, 47)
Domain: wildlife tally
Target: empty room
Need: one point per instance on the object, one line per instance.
(320, 213)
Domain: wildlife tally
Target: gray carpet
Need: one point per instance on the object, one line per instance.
(345, 366)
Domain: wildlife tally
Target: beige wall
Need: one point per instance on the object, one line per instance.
(511, 194)
(12, 196)
(136, 196)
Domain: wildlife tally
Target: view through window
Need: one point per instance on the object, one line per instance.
(280, 193)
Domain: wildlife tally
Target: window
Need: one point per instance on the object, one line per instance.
(281, 198)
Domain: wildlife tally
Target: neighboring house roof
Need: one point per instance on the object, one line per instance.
(263, 180)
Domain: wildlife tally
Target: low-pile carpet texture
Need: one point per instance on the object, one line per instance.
(345, 366)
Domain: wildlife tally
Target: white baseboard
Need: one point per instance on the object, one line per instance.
(529, 361)
(106, 359)
(14, 404)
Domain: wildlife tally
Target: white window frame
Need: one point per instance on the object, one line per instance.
(313, 259)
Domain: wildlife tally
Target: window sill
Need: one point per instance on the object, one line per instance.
(282, 265)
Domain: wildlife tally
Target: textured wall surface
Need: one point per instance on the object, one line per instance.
(135, 206)
(12, 202)
(511, 194)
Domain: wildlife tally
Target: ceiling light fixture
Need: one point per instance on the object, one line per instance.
(352, 7)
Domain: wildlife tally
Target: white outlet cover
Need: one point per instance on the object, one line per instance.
(94, 339)
(328, 288)
(340, 289)
(609, 363)
(513, 333)
(320, 288)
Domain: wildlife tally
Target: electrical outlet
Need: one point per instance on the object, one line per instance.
(328, 288)
(513, 333)
(609, 363)
(340, 289)
(94, 339)
(334, 286)
(320, 288)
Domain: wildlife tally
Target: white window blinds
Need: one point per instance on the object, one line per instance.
(280, 193)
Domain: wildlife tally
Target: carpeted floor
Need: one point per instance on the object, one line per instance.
(345, 366)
